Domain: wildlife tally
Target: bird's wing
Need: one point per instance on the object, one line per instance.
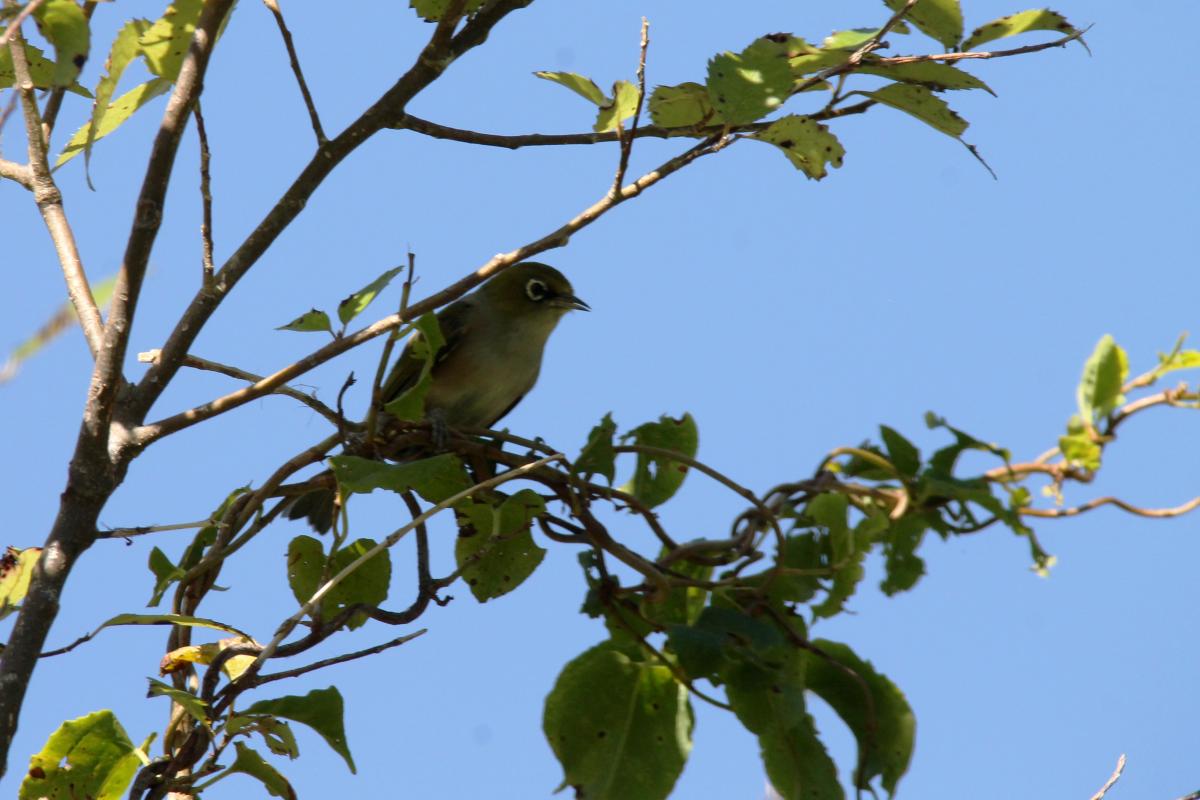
(407, 371)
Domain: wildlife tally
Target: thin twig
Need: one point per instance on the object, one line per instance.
(329, 662)
(195, 362)
(142, 530)
(13, 30)
(273, 5)
(626, 137)
(1153, 513)
(978, 54)
(291, 622)
(1112, 779)
(206, 225)
(49, 202)
(153, 431)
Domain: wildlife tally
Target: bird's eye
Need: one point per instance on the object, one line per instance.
(536, 290)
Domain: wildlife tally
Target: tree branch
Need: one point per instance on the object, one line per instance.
(146, 434)
(49, 200)
(273, 5)
(434, 59)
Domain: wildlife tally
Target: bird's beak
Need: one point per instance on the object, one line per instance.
(569, 302)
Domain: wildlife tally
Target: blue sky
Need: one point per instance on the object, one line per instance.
(788, 316)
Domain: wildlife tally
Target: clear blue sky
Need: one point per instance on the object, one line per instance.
(789, 317)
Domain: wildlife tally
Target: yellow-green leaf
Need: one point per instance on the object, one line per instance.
(118, 111)
(747, 86)
(938, 19)
(90, 757)
(620, 108)
(684, 106)
(923, 104)
(65, 26)
(582, 86)
(1035, 19)
(1104, 374)
(166, 42)
(16, 570)
(807, 144)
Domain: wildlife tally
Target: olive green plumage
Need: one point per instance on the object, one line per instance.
(495, 338)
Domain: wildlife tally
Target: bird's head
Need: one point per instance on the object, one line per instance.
(528, 289)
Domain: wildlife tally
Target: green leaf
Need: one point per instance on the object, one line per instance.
(432, 10)
(871, 706)
(320, 709)
(1036, 19)
(856, 37)
(165, 43)
(65, 26)
(745, 87)
(41, 70)
(1077, 446)
(118, 111)
(125, 47)
(902, 566)
(923, 104)
(168, 619)
(903, 454)
(684, 106)
(86, 757)
(190, 703)
(846, 550)
(1104, 373)
(938, 19)
(584, 87)
(930, 74)
(314, 320)
(251, 763)
(354, 305)
(16, 570)
(722, 638)
(682, 604)
(367, 585)
(620, 108)
(165, 574)
(436, 479)
(495, 549)
(276, 734)
(622, 729)
(1182, 359)
(597, 456)
(942, 462)
(656, 478)
(807, 144)
(424, 344)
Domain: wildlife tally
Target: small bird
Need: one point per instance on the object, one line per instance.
(495, 338)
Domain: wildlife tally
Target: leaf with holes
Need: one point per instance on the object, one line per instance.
(368, 585)
(1035, 19)
(598, 456)
(747, 86)
(86, 757)
(16, 570)
(807, 144)
(656, 477)
(435, 479)
(165, 43)
(495, 549)
(41, 70)
(621, 728)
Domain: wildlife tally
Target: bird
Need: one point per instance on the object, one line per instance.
(494, 341)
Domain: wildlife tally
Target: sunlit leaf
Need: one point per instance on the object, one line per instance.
(90, 757)
(1104, 373)
(16, 570)
(65, 26)
(938, 19)
(584, 87)
(165, 43)
(747, 86)
(1035, 19)
(193, 705)
(807, 144)
(309, 321)
(41, 70)
(930, 74)
(856, 37)
(433, 10)
(620, 108)
(683, 106)
(923, 104)
(118, 111)
(354, 305)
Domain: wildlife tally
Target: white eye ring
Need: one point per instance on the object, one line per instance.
(536, 291)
